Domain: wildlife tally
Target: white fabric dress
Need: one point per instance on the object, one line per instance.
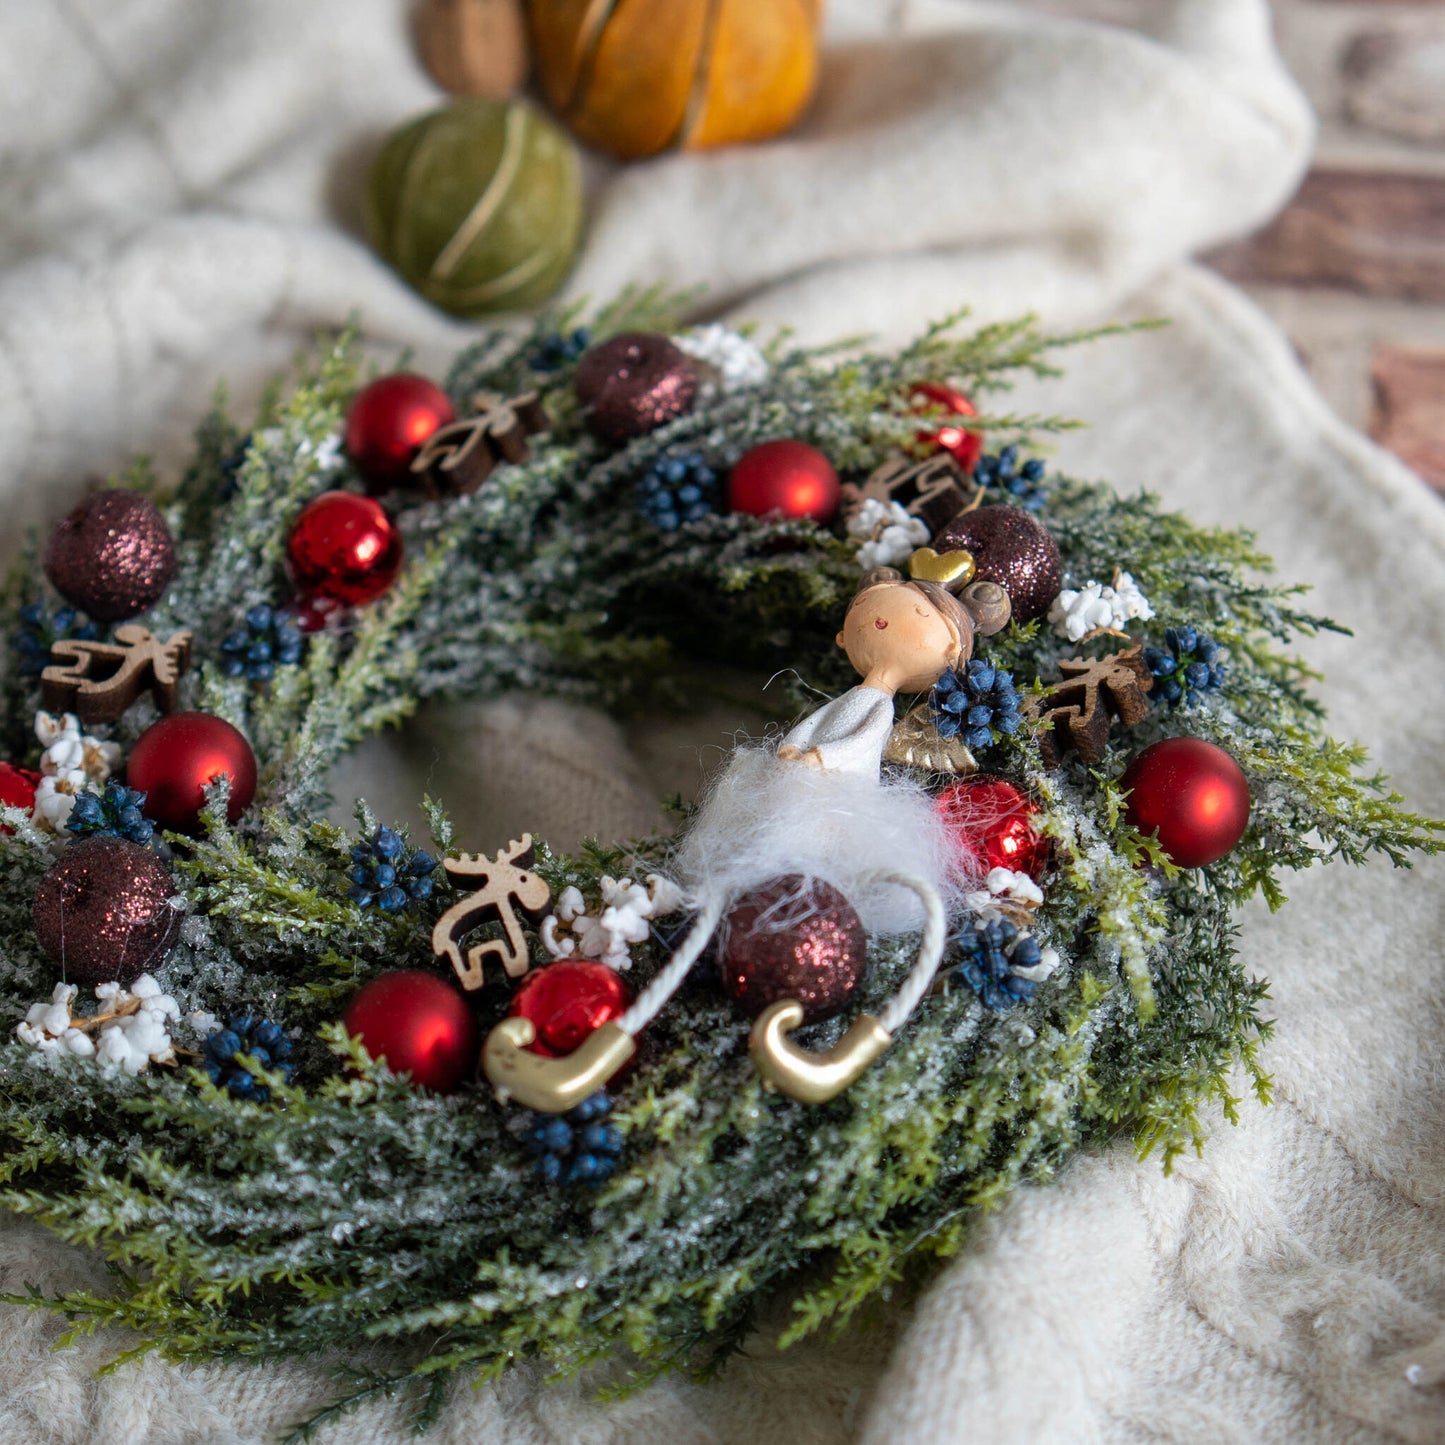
(765, 817)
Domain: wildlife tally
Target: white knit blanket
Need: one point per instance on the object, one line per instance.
(180, 201)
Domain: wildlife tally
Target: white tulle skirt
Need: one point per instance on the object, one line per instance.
(763, 818)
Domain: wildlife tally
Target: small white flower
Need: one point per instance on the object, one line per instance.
(735, 360)
(622, 919)
(666, 896)
(1048, 962)
(69, 752)
(889, 536)
(54, 798)
(1006, 891)
(571, 905)
(1078, 611)
(202, 1022)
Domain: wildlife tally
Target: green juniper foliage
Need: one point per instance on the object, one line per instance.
(352, 1207)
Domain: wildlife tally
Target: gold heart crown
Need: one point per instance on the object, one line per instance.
(949, 569)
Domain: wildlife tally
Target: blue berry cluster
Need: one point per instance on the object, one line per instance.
(268, 640)
(557, 350)
(677, 489)
(39, 630)
(991, 954)
(114, 813)
(259, 1038)
(578, 1147)
(976, 703)
(385, 873)
(1187, 665)
(1002, 470)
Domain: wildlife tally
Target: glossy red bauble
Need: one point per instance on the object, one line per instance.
(345, 547)
(786, 478)
(389, 421)
(17, 787)
(568, 1000)
(1193, 794)
(965, 447)
(420, 1024)
(990, 822)
(178, 756)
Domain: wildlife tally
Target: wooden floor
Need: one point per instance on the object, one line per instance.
(1354, 267)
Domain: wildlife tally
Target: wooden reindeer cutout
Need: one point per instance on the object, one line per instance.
(499, 889)
(100, 680)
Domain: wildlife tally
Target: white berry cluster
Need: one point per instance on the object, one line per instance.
(1076, 612)
(70, 761)
(888, 534)
(622, 919)
(132, 1028)
(734, 361)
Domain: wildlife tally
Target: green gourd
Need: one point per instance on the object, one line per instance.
(478, 205)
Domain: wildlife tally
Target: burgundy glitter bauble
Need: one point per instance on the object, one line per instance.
(793, 938)
(784, 478)
(965, 447)
(112, 555)
(388, 422)
(345, 547)
(568, 1000)
(990, 823)
(1011, 548)
(420, 1024)
(632, 384)
(103, 911)
(1193, 793)
(177, 756)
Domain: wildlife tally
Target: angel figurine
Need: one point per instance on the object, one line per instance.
(814, 805)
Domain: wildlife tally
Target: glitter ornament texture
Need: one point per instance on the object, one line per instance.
(345, 547)
(112, 555)
(1011, 548)
(790, 940)
(568, 1000)
(103, 912)
(633, 383)
(965, 447)
(784, 478)
(1193, 794)
(388, 421)
(988, 820)
(177, 757)
(419, 1024)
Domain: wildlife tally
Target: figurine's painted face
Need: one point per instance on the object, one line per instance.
(898, 640)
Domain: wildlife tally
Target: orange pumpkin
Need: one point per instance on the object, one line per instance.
(635, 77)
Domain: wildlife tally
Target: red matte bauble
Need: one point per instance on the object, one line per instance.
(17, 787)
(389, 421)
(784, 478)
(991, 823)
(178, 756)
(793, 938)
(420, 1024)
(103, 912)
(1193, 794)
(345, 547)
(568, 1000)
(965, 447)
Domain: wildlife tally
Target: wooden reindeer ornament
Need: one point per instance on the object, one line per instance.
(500, 889)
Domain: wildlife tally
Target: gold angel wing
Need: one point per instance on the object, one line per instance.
(916, 743)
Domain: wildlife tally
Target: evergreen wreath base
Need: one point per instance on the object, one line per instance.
(350, 1206)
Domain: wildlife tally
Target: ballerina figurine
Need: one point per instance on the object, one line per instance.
(814, 806)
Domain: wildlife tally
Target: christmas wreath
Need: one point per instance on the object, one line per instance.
(270, 1116)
